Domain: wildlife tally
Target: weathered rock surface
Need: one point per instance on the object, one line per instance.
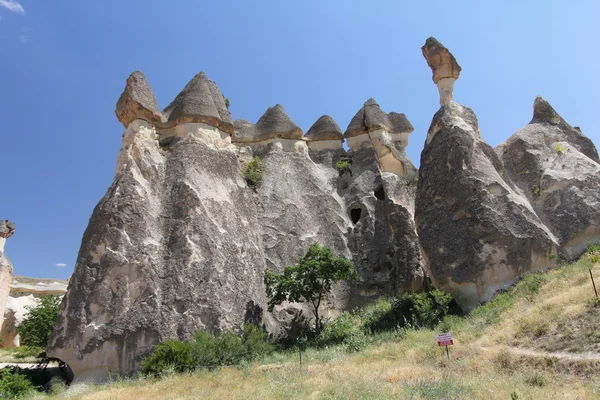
(137, 101)
(25, 292)
(200, 101)
(274, 123)
(325, 128)
(477, 231)
(444, 67)
(173, 247)
(7, 229)
(557, 168)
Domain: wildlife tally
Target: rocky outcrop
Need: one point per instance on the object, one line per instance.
(137, 101)
(325, 128)
(172, 248)
(24, 294)
(477, 232)
(444, 67)
(557, 168)
(200, 102)
(7, 229)
(274, 123)
(387, 134)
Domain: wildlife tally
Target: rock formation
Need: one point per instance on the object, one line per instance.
(477, 232)
(173, 247)
(180, 242)
(24, 293)
(557, 169)
(444, 67)
(7, 229)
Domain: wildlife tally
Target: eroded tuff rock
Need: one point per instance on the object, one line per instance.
(478, 233)
(387, 134)
(274, 123)
(325, 128)
(25, 292)
(7, 229)
(173, 247)
(557, 169)
(444, 67)
(137, 101)
(200, 101)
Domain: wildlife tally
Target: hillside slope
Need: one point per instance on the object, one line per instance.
(538, 340)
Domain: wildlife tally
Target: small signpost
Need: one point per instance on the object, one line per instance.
(445, 339)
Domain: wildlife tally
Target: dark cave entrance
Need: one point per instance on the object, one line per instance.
(355, 214)
(379, 193)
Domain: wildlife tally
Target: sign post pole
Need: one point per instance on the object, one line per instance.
(445, 339)
(448, 353)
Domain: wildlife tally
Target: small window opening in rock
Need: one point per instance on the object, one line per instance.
(380, 193)
(355, 214)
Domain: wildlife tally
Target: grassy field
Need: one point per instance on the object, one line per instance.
(539, 340)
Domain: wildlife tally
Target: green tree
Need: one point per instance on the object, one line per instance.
(35, 330)
(309, 280)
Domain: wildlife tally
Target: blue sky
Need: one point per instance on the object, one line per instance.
(63, 65)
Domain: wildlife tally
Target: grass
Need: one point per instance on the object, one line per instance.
(501, 352)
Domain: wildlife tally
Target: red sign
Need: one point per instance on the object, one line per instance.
(445, 339)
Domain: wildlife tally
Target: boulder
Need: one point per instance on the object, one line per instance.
(200, 101)
(137, 101)
(557, 168)
(477, 231)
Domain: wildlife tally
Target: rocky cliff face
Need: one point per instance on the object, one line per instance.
(180, 242)
(7, 229)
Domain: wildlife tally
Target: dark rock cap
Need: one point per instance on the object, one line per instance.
(200, 101)
(440, 60)
(325, 128)
(371, 117)
(274, 123)
(7, 228)
(544, 113)
(137, 101)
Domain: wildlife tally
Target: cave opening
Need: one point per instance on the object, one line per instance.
(379, 193)
(355, 214)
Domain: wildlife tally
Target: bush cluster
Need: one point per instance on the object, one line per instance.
(254, 172)
(37, 327)
(343, 166)
(206, 350)
(14, 385)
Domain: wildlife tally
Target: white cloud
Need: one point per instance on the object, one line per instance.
(60, 265)
(13, 6)
(22, 38)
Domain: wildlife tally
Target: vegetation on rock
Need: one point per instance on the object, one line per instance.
(254, 172)
(310, 280)
(36, 329)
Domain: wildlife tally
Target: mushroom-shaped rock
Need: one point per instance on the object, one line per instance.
(200, 101)
(274, 123)
(325, 128)
(137, 101)
(444, 67)
(371, 117)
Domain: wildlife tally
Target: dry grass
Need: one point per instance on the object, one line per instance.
(483, 364)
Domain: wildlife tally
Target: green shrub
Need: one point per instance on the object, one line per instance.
(343, 166)
(27, 352)
(170, 354)
(560, 149)
(424, 309)
(14, 385)
(253, 172)
(355, 342)
(337, 331)
(207, 351)
(36, 328)
(530, 283)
